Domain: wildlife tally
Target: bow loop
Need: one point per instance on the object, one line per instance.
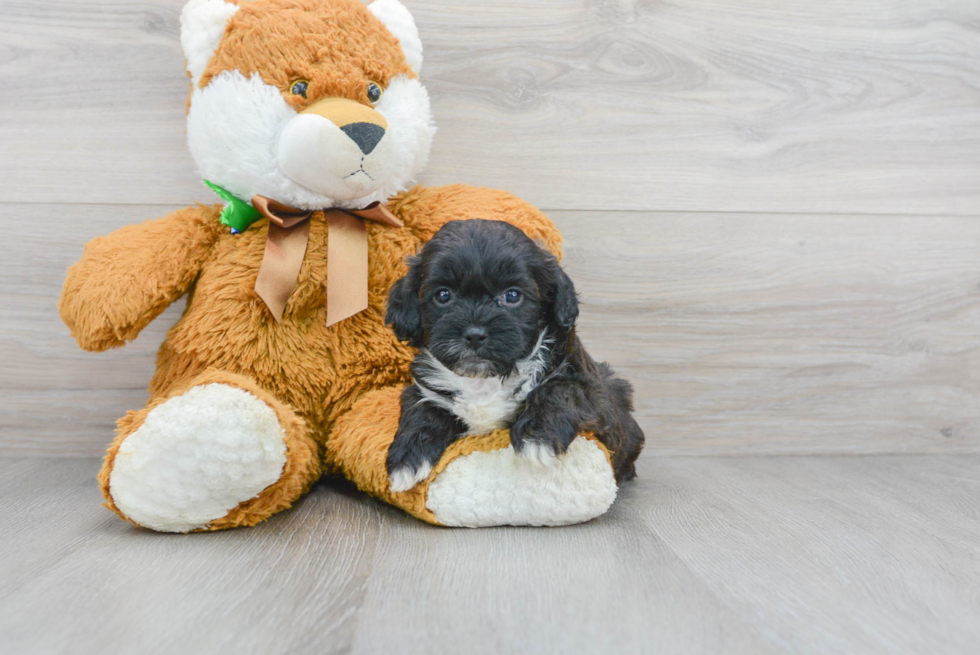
(278, 213)
(378, 213)
(347, 255)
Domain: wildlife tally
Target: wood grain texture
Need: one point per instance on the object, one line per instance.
(787, 333)
(848, 555)
(703, 105)
(699, 555)
(77, 579)
(610, 586)
(742, 333)
(56, 398)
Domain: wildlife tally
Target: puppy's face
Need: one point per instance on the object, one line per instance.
(479, 296)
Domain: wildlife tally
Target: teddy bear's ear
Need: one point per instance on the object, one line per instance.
(202, 25)
(400, 23)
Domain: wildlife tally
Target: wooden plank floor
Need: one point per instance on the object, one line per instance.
(700, 555)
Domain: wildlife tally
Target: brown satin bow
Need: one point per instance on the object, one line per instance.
(347, 255)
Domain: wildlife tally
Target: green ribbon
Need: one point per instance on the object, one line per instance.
(237, 214)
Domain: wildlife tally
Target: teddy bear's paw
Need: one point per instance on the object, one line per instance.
(196, 457)
(500, 487)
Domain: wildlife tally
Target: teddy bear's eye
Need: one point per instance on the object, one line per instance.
(374, 92)
(299, 87)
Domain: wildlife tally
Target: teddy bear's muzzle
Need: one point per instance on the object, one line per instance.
(336, 147)
(342, 112)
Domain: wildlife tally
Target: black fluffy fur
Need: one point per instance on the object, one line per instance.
(478, 261)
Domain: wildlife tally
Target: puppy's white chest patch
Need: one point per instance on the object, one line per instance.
(486, 404)
(483, 404)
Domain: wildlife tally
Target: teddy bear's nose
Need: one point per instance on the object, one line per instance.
(365, 135)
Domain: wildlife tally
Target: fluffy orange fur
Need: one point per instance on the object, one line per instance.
(313, 376)
(359, 447)
(336, 390)
(337, 47)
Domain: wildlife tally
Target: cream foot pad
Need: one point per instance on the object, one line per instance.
(196, 457)
(484, 489)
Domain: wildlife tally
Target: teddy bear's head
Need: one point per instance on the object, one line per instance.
(313, 103)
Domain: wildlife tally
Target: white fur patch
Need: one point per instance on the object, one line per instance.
(405, 105)
(483, 404)
(498, 488)
(319, 155)
(405, 478)
(202, 26)
(197, 456)
(236, 124)
(538, 453)
(400, 23)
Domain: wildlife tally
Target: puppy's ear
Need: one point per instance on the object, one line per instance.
(562, 295)
(404, 313)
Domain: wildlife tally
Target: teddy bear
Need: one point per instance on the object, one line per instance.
(308, 119)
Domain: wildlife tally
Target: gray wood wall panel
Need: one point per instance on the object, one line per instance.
(743, 333)
(703, 105)
(820, 292)
(788, 333)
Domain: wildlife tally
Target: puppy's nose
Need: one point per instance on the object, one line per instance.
(365, 135)
(475, 336)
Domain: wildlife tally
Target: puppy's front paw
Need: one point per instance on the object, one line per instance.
(408, 461)
(406, 477)
(536, 452)
(541, 437)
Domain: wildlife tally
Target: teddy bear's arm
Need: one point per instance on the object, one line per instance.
(426, 209)
(126, 279)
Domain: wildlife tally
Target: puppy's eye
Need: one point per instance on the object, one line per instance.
(443, 296)
(513, 297)
(374, 92)
(299, 87)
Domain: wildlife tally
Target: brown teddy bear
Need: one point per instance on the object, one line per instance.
(308, 119)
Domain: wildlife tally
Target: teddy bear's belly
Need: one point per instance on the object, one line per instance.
(304, 363)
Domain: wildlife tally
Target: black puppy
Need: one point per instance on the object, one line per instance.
(494, 316)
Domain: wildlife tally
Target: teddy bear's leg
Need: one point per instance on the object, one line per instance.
(215, 452)
(480, 481)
